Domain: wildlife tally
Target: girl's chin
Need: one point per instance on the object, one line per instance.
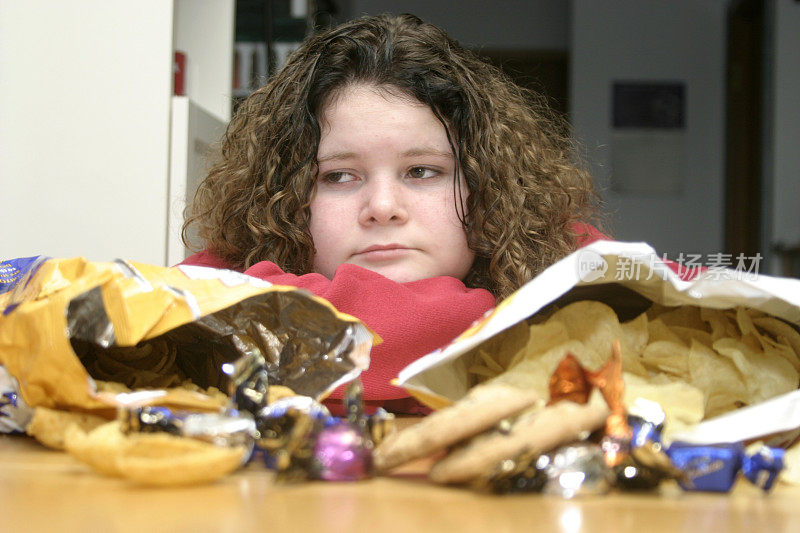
(398, 274)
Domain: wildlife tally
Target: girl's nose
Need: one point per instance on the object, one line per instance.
(384, 203)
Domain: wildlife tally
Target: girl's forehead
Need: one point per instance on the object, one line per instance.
(347, 94)
(368, 117)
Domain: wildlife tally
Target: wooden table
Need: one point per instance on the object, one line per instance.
(45, 490)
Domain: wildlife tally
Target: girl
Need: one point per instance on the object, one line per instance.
(388, 170)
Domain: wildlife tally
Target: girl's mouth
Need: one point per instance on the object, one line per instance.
(383, 252)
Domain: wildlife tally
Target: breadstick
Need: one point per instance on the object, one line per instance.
(536, 431)
(482, 407)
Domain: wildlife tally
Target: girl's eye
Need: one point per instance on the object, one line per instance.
(421, 172)
(338, 177)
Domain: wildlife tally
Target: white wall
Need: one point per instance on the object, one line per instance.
(653, 40)
(784, 122)
(510, 24)
(85, 106)
(84, 127)
(209, 63)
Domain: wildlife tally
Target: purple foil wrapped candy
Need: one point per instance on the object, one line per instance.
(343, 452)
(287, 430)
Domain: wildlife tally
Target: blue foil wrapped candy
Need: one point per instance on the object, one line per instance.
(711, 468)
(763, 466)
(647, 464)
(646, 419)
(14, 276)
(14, 412)
(221, 429)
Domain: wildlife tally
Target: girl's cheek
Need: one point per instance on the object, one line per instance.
(328, 210)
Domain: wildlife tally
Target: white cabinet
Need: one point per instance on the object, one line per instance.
(87, 163)
(193, 133)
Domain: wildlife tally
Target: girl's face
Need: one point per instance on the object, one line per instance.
(384, 196)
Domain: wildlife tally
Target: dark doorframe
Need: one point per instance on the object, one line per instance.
(545, 72)
(744, 180)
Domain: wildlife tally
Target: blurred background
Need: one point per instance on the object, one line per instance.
(686, 111)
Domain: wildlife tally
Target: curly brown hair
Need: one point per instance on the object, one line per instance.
(526, 188)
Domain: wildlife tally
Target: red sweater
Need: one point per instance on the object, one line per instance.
(412, 318)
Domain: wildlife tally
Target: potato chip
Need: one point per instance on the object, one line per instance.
(636, 335)
(97, 448)
(687, 335)
(542, 338)
(748, 334)
(782, 349)
(781, 331)
(494, 355)
(667, 357)
(586, 329)
(490, 363)
(659, 331)
(152, 458)
(49, 426)
(744, 321)
(738, 355)
(656, 309)
(768, 374)
(683, 404)
(759, 340)
(596, 325)
(720, 378)
(685, 316)
(160, 459)
(663, 379)
(186, 395)
(636, 332)
(592, 323)
(514, 341)
(721, 326)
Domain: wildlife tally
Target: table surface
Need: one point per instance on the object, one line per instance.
(46, 490)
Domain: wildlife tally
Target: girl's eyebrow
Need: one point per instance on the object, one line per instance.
(411, 152)
(423, 151)
(337, 156)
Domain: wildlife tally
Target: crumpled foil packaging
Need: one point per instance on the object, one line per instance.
(74, 323)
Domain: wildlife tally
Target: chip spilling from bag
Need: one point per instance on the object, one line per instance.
(695, 362)
(155, 459)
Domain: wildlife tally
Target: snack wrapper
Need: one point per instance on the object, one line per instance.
(67, 324)
(14, 414)
(632, 278)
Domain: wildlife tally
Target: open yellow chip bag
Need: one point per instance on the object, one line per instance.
(84, 338)
(76, 323)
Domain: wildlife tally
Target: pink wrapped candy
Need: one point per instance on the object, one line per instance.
(343, 453)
